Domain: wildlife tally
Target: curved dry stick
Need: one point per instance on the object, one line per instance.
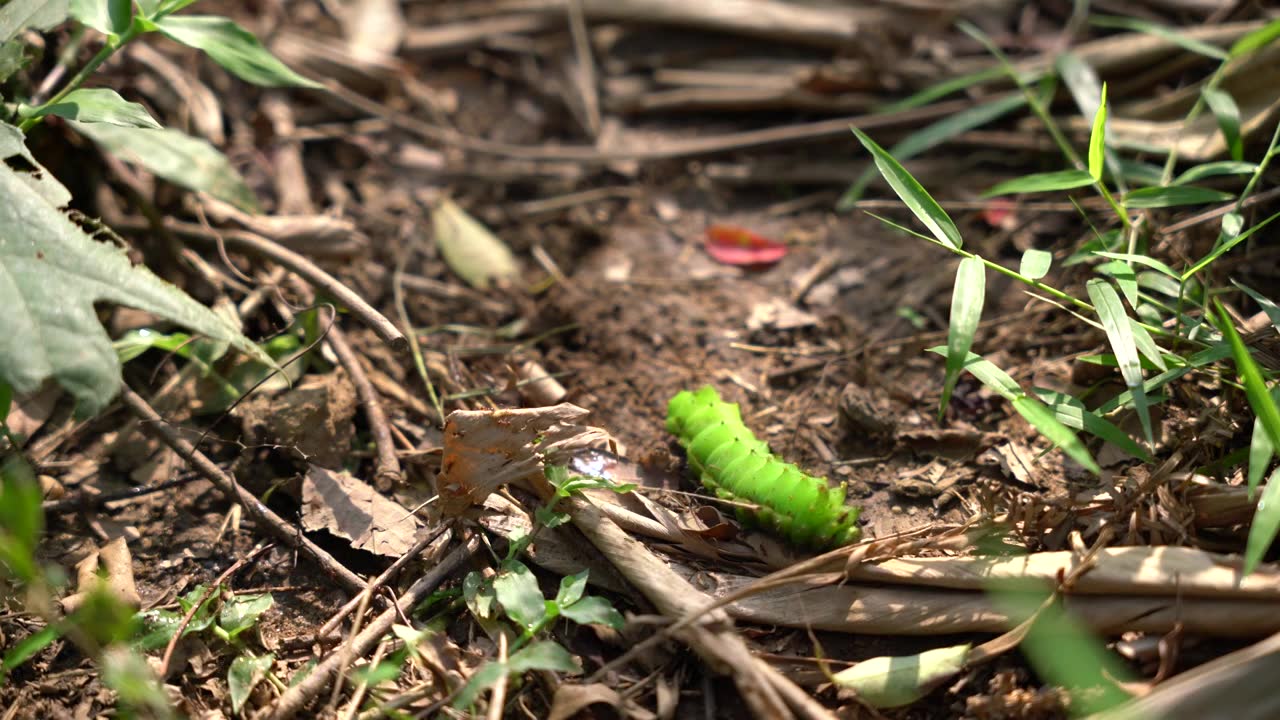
(767, 692)
(312, 273)
(299, 695)
(157, 427)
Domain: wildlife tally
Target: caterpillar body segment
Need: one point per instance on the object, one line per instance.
(735, 465)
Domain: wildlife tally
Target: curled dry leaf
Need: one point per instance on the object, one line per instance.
(486, 449)
(351, 509)
(475, 254)
(116, 565)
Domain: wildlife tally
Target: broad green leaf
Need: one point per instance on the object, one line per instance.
(1042, 182)
(544, 655)
(593, 610)
(1257, 39)
(246, 672)
(517, 590)
(1227, 114)
(478, 595)
(967, 298)
(148, 8)
(571, 588)
(166, 7)
(1035, 263)
(887, 682)
(1136, 172)
(13, 57)
(916, 198)
(96, 105)
(933, 135)
(51, 275)
(1150, 28)
(1225, 247)
(1266, 523)
(232, 47)
(480, 680)
(1141, 260)
(242, 612)
(473, 252)
(1071, 412)
(42, 182)
(175, 156)
(1215, 169)
(1115, 322)
(1044, 420)
(1267, 518)
(1173, 196)
(1097, 139)
(109, 17)
(18, 15)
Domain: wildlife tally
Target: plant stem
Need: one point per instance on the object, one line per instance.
(112, 45)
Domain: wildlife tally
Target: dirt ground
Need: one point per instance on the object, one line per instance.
(616, 298)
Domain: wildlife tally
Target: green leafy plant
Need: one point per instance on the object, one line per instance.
(56, 270)
(221, 616)
(513, 592)
(1157, 319)
(734, 465)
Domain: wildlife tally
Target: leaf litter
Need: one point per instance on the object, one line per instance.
(1146, 553)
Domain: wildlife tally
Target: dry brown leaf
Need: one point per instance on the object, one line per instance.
(353, 510)
(115, 563)
(572, 699)
(483, 449)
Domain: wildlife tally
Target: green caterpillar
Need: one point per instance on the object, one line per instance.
(734, 465)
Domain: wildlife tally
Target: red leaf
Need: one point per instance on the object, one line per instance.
(999, 213)
(733, 245)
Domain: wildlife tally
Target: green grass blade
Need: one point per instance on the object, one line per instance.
(1268, 307)
(1098, 139)
(925, 208)
(1035, 263)
(1267, 518)
(1120, 335)
(1044, 420)
(934, 135)
(1256, 40)
(1226, 247)
(1266, 523)
(942, 89)
(1124, 277)
(1147, 345)
(1215, 169)
(1071, 412)
(1042, 182)
(1260, 453)
(1140, 260)
(966, 310)
(1144, 26)
(1173, 196)
(1035, 412)
(1227, 114)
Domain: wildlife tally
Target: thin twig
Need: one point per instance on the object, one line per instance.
(332, 623)
(299, 695)
(157, 427)
(309, 271)
(195, 607)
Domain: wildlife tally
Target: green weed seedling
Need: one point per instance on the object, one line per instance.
(220, 616)
(513, 594)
